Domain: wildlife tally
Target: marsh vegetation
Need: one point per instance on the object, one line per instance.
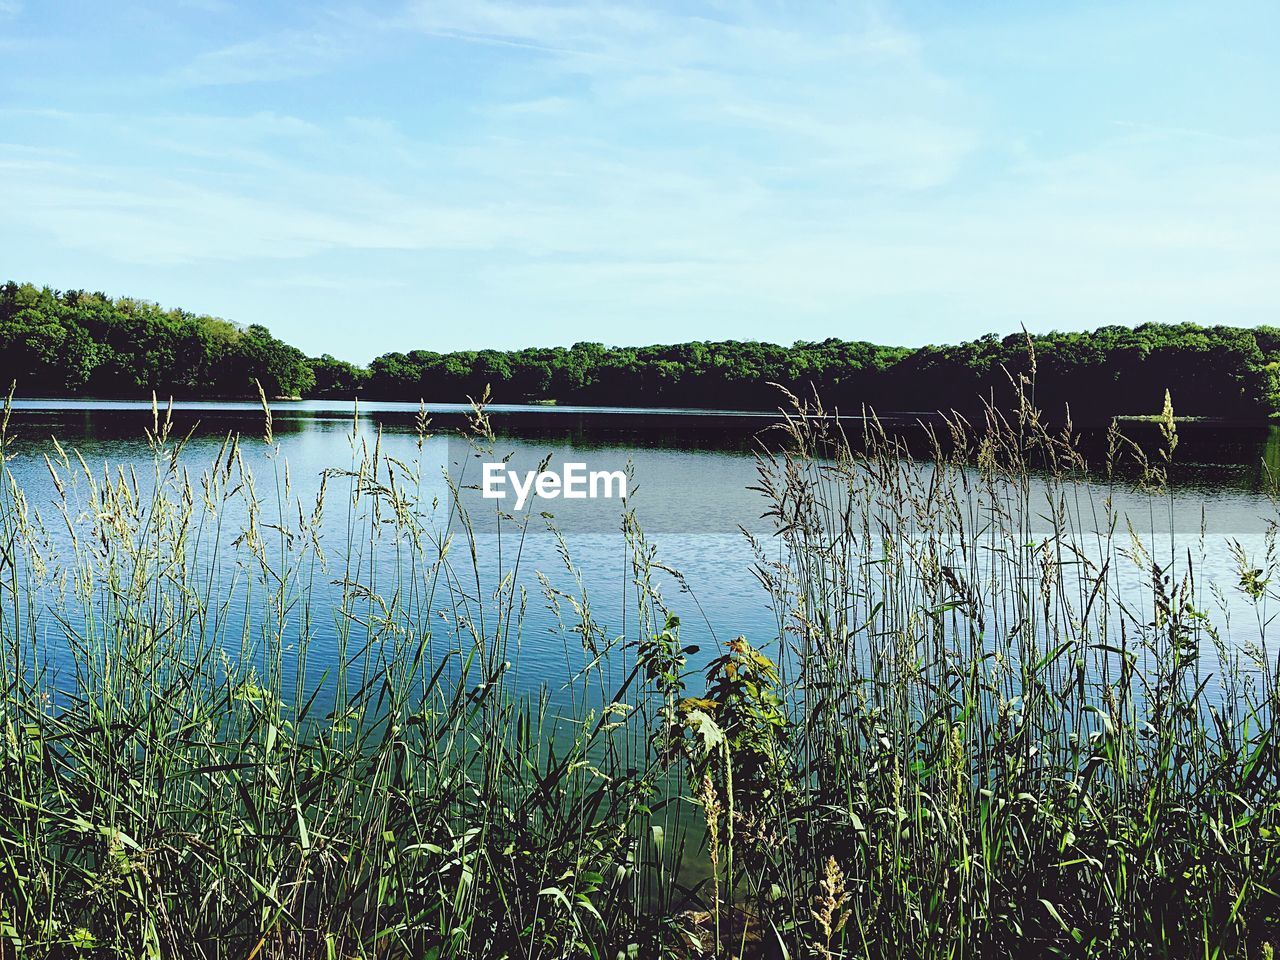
(989, 717)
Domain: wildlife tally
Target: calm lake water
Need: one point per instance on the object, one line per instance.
(691, 470)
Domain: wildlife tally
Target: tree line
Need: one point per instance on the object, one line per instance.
(56, 343)
(79, 343)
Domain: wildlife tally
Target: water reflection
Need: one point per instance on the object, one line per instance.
(692, 473)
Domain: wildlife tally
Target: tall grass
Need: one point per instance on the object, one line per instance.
(968, 733)
(199, 784)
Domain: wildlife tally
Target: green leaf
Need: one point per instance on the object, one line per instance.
(703, 726)
(304, 836)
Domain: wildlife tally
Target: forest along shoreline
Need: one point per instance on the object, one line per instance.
(77, 343)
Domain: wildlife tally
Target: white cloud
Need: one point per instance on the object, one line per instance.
(706, 169)
(1142, 226)
(284, 57)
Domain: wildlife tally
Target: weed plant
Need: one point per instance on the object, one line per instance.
(991, 716)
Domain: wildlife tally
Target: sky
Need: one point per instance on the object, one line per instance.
(460, 174)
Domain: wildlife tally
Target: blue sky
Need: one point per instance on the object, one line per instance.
(467, 173)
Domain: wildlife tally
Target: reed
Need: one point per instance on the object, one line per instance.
(967, 734)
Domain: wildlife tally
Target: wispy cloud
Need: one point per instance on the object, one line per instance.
(291, 55)
(696, 170)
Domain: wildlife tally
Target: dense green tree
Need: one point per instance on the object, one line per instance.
(54, 343)
(80, 342)
(337, 378)
(1211, 371)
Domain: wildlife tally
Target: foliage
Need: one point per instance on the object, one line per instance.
(81, 343)
(981, 750)
(1212, 371)
(54, 344)
(337, 378)
(739, 732)
(190, 789)
(972, 735)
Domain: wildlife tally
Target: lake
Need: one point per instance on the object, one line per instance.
(552, 591)
(692, 473)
